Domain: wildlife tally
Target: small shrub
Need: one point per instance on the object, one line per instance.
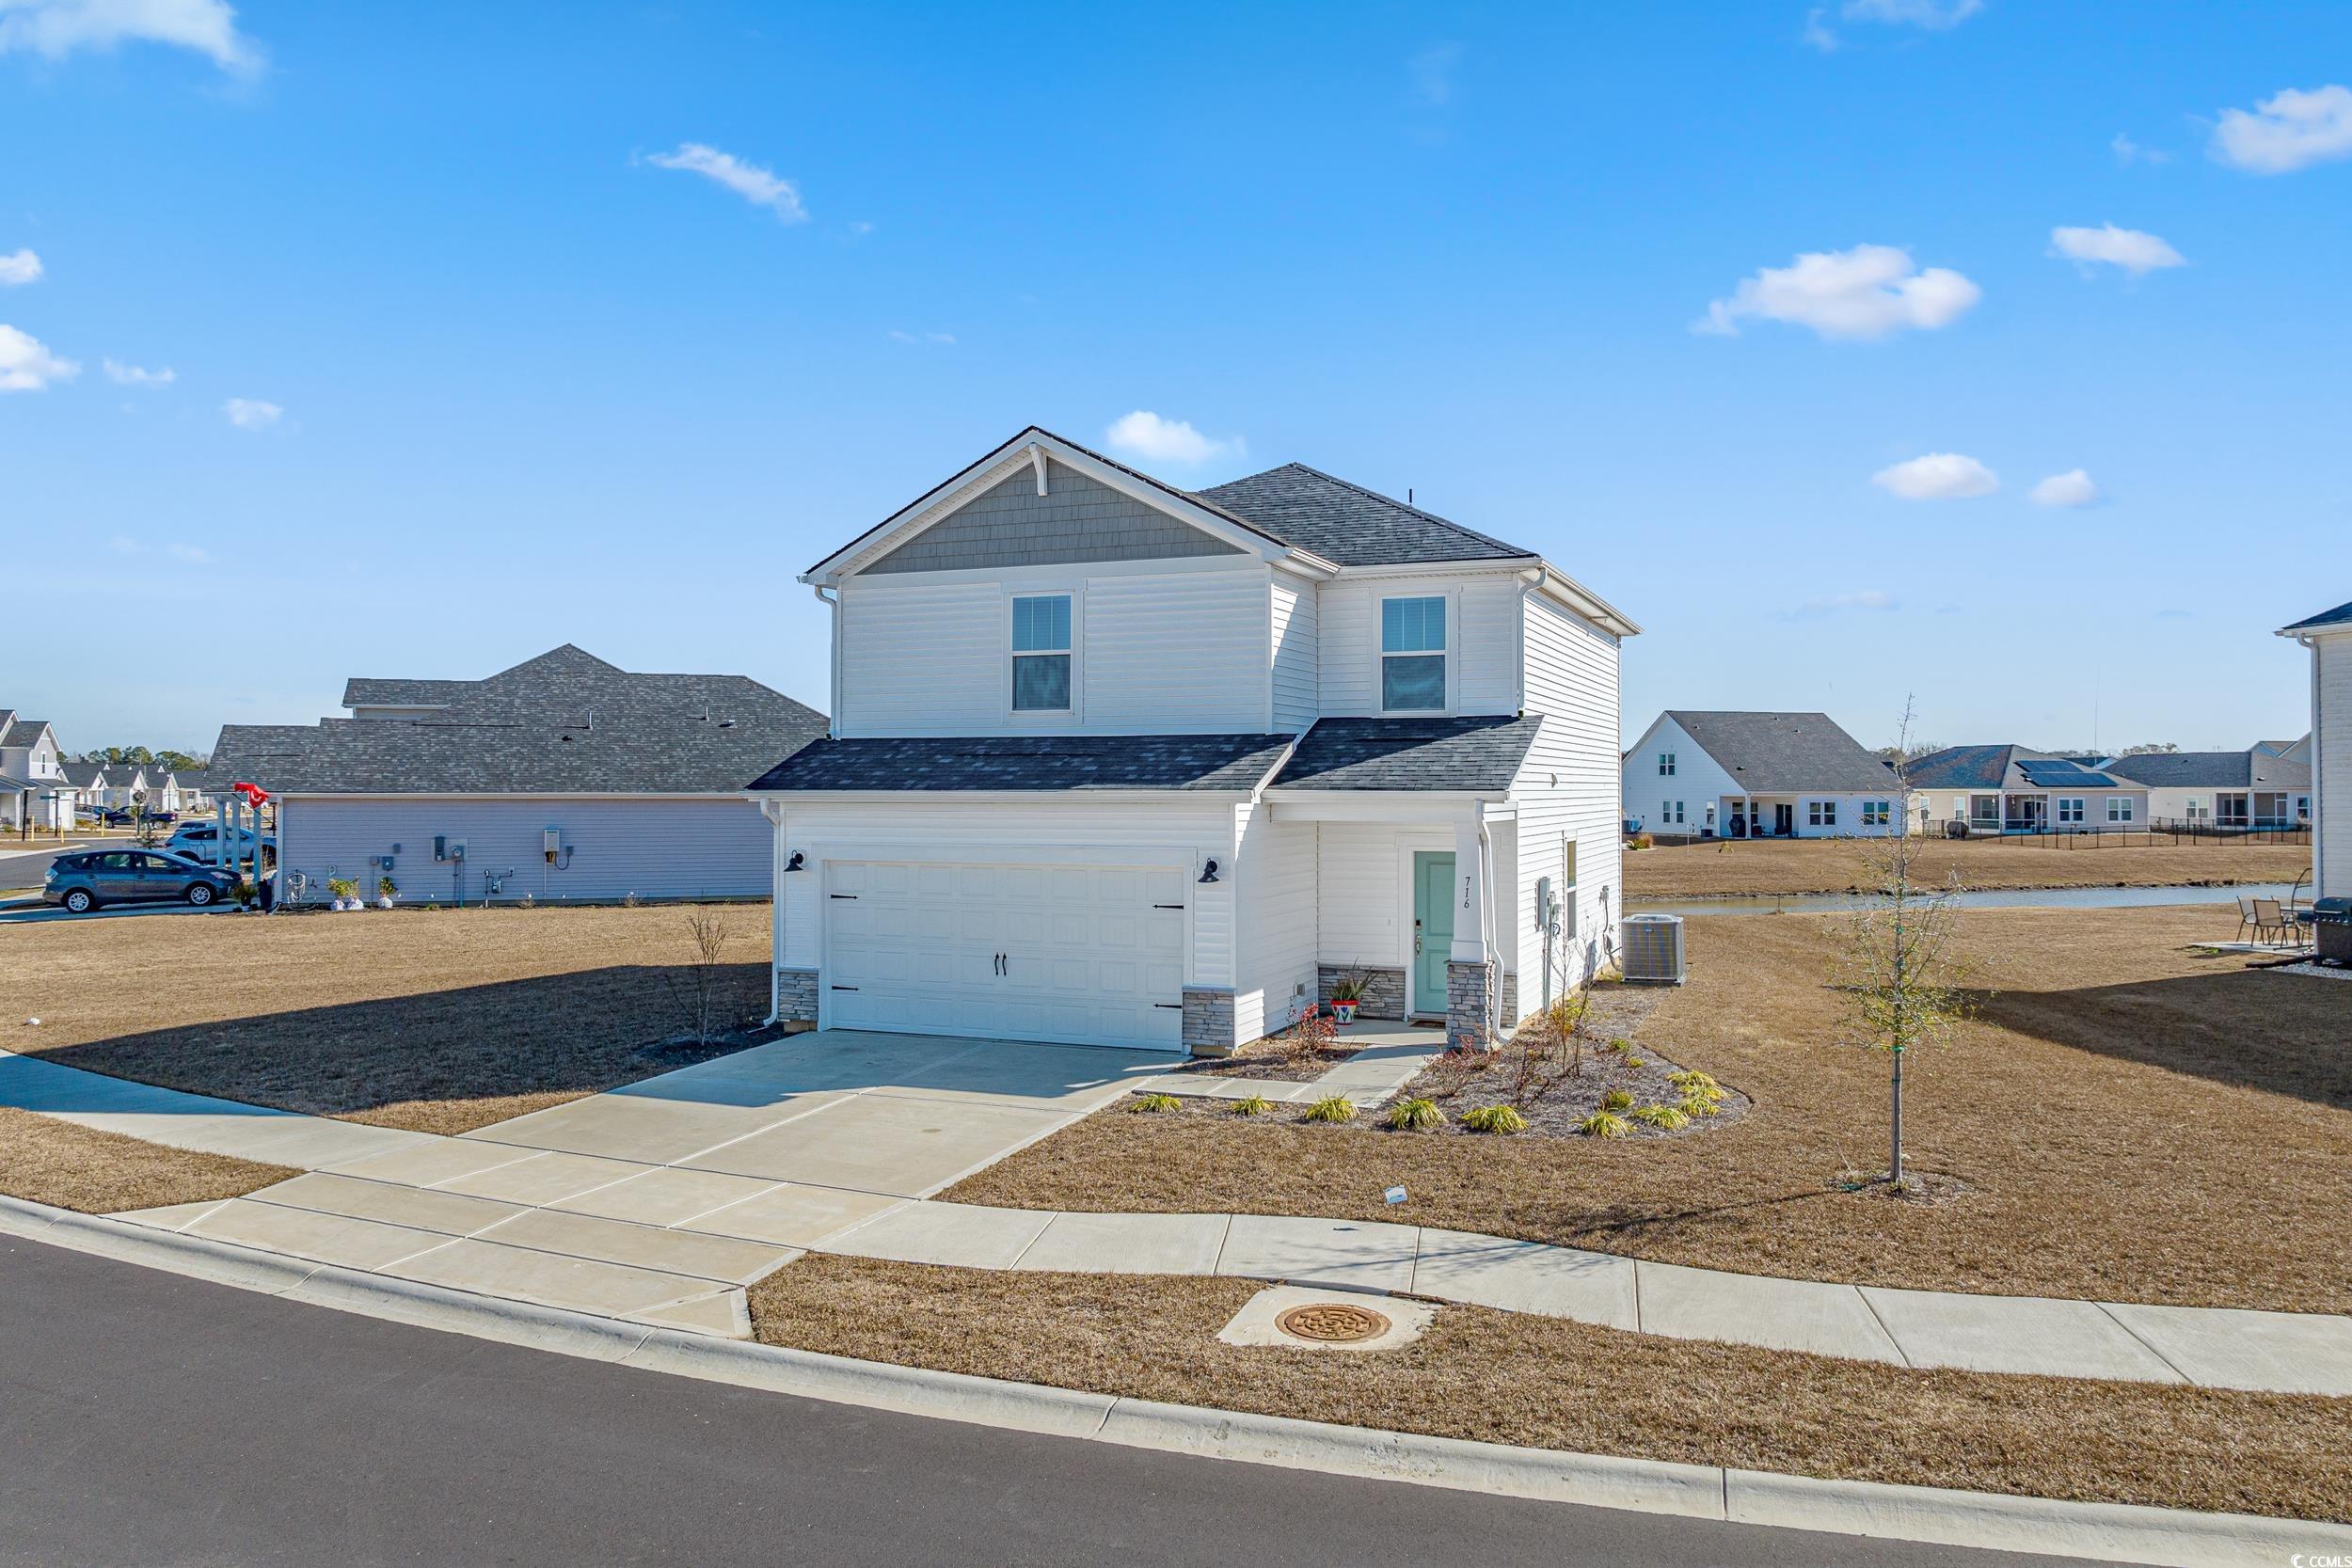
(1699, 1105)
(1688, 1082)
(1617, 1100)
(1633, 1061)
(1332, 1108)
(1155, 1104)
(1641, 841)
(1603, 1124)
(1251, 1105)
(1494, 1119)
(1410, 1115)
(1309, 1038)
(1666, 1119)
(1619, 1043)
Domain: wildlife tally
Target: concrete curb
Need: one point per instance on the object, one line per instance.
(2113, 1532)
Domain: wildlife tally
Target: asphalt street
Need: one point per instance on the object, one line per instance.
(153, 1419)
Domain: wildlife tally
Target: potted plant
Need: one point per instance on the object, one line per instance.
(1347, 994)
(386, 889)
(345, 891)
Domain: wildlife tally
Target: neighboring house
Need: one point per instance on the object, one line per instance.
(195, 790)
(2328, 636)
(563, 778)
(2252, 788)
(2015, 789)
(2292, 751)
(1759, 775)
(91, 781)
(34, 788)
(1117, 763)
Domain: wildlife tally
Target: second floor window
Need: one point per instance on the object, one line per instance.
(1412, 655)
(1041, 654)
(1666, 764)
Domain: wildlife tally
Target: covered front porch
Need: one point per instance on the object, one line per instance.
(1412, 895)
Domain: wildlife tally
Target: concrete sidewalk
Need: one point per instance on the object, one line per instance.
(659, 1202)
(2208, 1347)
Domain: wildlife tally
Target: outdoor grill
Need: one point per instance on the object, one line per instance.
(2331, 929)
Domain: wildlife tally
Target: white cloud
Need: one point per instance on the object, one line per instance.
(1818, 32)
(1867, 292)
(2286, 132)
(1939, 476)
(27, 365)
(2130, 151)
(1147, 434)
(1934, 15)
(194, 555)
(2134, 251)
(1432, 72)
(131, 375)
(56, 28)
(759, 186)
(2072, 488)
(946, 339)
(251, 413)
(19, 268)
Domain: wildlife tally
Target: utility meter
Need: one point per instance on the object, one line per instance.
(550, 843)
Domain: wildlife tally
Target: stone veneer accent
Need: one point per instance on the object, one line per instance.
(796, 997)
(1208, 1022)
(1384, 988)
(1510, 1002)
(1468, 990)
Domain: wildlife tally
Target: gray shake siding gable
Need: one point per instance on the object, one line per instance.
(1078, 519)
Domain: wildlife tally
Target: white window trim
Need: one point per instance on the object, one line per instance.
(1453, 597)
(1667, 764)
(2118, 808)
(1046, 717)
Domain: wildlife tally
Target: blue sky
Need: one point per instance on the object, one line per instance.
(493, 327)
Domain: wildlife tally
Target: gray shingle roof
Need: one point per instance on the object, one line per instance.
(563, 723)
(1232, 763)
(1348, 524)
(1963, 768)
(16, 731)
(2249, 770)
(1781, 753)
(86, 775)
(2340, 616)
(1479, 754)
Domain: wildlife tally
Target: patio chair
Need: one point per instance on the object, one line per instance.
(2245, 916)
(2271, 922)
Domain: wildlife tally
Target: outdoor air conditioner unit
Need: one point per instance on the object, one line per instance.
(1653, 949)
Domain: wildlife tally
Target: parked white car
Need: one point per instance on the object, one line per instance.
(200, 842)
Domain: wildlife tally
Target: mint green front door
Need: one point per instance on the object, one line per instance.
(1432, 929)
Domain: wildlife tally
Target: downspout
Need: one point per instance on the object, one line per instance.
(1485, 929)
(773, 812)
(832, 698)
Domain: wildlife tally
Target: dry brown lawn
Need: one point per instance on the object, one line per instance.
(437, 1019)
(2130, 1120)
(1841, 865)
(1544, 1383)
(47, 1161)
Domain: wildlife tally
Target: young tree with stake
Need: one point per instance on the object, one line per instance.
(1898, 969)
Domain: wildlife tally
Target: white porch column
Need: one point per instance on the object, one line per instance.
(1470, 874)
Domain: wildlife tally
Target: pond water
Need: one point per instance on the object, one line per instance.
(1981, 899)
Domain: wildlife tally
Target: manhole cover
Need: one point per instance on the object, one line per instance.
(1332, 1321)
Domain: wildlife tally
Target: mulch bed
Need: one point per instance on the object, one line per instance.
(1277, 1056)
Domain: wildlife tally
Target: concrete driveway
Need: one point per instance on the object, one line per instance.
(659, 1202)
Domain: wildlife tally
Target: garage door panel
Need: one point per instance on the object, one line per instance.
(1083, 960)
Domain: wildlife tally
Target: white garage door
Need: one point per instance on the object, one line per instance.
(1090, 955)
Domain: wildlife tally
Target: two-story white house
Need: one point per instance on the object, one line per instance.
(1116, 763)
(34, 789)
(2329, 635)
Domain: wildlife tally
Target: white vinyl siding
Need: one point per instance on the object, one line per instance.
(654, 849)
(1279, 922)
(1178, 649)
(1481, 673)
(1568, 789)
(1363, 892)
(1293, 658)
(2331, 758)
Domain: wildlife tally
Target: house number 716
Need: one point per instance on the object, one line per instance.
(1465, 893)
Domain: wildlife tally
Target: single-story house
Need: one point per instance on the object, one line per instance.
(2329, 635)
(34, 788)
(2016, 790)
(2252, 788)
(564, 778)
(1757, 775)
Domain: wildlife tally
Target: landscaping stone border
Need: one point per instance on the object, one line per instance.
(2113, 1532)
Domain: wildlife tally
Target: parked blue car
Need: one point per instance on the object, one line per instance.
(83, 882)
